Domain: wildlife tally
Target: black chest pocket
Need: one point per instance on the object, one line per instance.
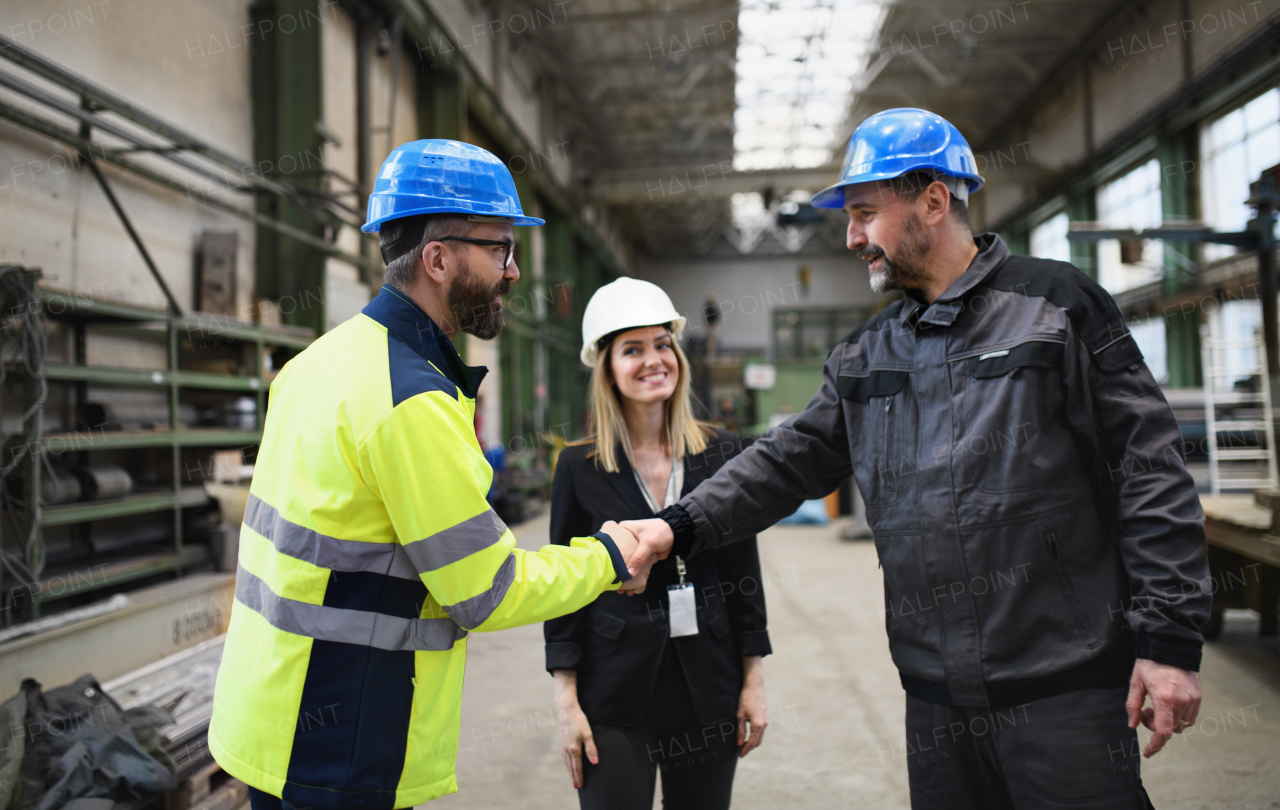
(1012, 437)
(882, 447)
(877, 383)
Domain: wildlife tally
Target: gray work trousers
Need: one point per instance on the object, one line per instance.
(1074, 750)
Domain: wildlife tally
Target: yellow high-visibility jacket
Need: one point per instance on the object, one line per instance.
(366, 554)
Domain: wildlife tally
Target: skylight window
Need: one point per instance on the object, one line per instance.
(797, 63)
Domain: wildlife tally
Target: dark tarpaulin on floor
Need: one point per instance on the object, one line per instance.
(75, 743)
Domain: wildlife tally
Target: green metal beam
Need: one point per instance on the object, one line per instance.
(1178, 153)
(121, 507)
(82, 441)
(286, 71)
(109, 575)
(69, 304)
(150, 378)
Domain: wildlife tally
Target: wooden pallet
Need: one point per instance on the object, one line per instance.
(209, 788)
(232, 795)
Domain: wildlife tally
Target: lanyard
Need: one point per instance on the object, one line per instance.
(680, 568)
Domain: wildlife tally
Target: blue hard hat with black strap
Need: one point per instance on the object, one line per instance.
(895, 142)
(437, 176)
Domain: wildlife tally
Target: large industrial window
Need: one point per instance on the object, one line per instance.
(1049, 239)
(1237, 147)
(1149, 334)
(1131, 201)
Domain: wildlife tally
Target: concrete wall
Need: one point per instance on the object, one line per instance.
(187, 62)
(748, 289)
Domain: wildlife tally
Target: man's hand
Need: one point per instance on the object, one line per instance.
(655, 540)
(627, 546)
(753, 714)
(1175, 701)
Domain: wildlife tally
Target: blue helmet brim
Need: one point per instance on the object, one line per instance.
(523, 221)
(833, 196)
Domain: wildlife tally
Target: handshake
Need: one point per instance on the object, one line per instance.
(642, 543)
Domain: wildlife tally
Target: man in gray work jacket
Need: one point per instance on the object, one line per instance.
(1042, 542)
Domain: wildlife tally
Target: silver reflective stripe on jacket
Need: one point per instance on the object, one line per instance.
(471, 613)
(324, 551)
(359, 627)
(456, 542)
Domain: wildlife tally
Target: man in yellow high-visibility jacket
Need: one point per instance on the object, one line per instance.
(368, 549)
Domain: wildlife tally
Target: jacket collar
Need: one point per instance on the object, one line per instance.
(406, 322)
(992, 253)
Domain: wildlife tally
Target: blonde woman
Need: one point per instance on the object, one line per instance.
(670, 681)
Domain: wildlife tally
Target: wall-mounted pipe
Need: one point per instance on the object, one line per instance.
(364, 127)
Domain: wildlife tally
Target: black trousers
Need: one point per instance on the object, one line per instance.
(1074, 751)
(696, 765)
(696, 760)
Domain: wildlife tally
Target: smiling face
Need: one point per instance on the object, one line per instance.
(643, 364)
(888, 233)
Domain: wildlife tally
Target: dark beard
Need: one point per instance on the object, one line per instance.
(471, 302)
(906, 270)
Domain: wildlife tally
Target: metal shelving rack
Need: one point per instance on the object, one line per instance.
(80, 311)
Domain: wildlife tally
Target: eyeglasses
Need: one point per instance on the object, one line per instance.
(508, 246)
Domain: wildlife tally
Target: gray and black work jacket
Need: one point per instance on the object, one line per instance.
(1024, 479)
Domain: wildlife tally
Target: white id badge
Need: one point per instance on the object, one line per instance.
(684, 616)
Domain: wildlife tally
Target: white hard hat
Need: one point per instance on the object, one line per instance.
(627, 303)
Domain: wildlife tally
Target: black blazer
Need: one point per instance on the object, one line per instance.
(616, 643)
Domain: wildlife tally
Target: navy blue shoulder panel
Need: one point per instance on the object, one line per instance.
(422, 358)
(412, 374)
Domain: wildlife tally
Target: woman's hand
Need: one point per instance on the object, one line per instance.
(575, 729)
(753, 715)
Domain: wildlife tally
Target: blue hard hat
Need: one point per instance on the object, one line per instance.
(436, 176)
(892, 143)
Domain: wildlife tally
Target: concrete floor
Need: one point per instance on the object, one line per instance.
(836, 706)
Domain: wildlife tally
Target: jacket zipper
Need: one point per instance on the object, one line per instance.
(1052, 539)
(890, 480)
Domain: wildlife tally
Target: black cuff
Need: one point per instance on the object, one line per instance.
(681, 527)
(563, 655)
(753, 642)
(1166, 649)
(619, 564)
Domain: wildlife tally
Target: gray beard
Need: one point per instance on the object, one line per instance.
(906, 271)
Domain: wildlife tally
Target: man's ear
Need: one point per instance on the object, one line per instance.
(937, 203)
(434, 262)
